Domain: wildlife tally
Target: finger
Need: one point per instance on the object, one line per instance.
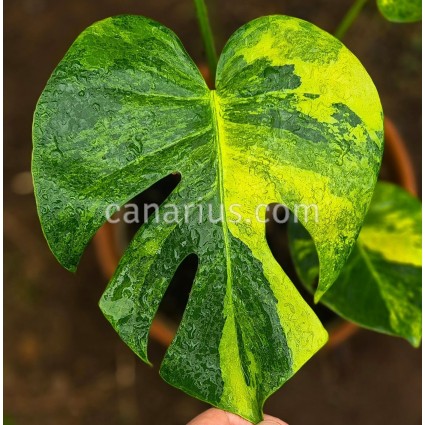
(219, 417)
(271, 420)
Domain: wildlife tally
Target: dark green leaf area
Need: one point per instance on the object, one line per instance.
(268, 78)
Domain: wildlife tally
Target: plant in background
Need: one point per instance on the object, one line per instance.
(379, 287)
(401, 11)
(294, 119)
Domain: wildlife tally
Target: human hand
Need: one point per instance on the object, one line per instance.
(220, 417)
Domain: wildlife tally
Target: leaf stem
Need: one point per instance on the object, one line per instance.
(207, 35)
(349, 18)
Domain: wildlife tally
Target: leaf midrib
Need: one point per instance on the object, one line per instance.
(218, 132)
(219, 139)
(228, 309)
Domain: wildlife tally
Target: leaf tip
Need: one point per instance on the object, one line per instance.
(415, 341)
(318, 295)
(70, 267)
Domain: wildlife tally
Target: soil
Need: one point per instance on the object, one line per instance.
(63, 363)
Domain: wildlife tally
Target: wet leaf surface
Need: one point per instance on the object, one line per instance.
(294, 119)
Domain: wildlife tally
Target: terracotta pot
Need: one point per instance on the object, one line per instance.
(398, 158)
(109, 243)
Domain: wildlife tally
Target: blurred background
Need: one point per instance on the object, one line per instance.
(63, 363)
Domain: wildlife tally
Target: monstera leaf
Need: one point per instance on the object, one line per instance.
(401, 10)
(294, 119)
(380, 286)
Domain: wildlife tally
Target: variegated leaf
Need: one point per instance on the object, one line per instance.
(294, 119)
